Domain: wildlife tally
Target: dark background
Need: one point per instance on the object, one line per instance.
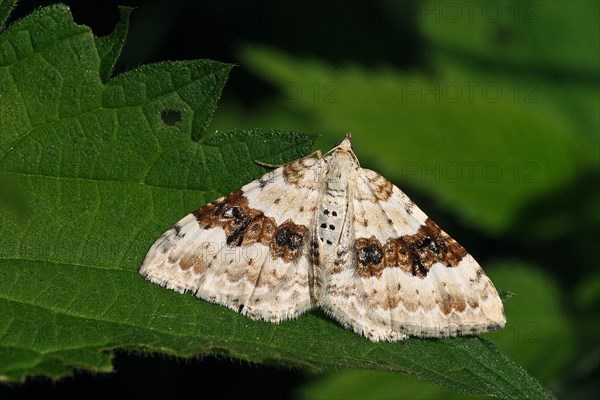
(336, 31)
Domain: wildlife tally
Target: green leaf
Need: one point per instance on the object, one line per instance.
(535, 324)
(110, 46)
(94, 176)
(469, 365)
(6, 7)
(469, 144)
(101, 175)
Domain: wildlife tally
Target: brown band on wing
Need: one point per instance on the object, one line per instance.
(288, 240)
(188, 261)
(300, 174)
(414, 254)
(370, 256)
(380, 188)
(245, 226)
(450, 302)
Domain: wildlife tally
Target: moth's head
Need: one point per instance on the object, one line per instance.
(346, 144)
(344, 149)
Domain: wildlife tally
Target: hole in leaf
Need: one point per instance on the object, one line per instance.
(170, 117)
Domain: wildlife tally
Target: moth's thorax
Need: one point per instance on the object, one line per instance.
(339, 165)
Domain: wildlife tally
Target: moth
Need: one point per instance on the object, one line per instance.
(323, 232)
